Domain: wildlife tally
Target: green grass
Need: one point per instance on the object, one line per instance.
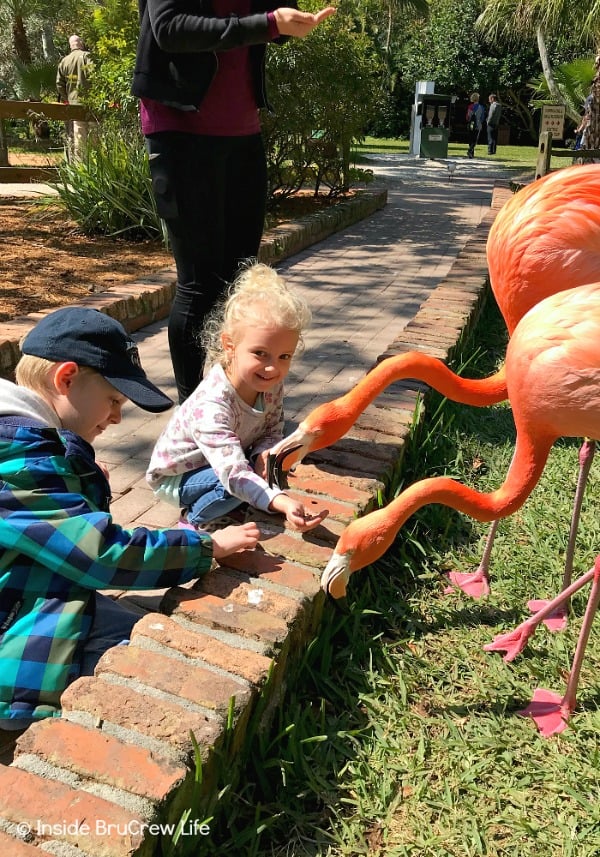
(398, 735)
(512, 157)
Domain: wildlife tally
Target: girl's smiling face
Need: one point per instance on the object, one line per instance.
(258, 359)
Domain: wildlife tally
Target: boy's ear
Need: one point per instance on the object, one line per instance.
(64, 376)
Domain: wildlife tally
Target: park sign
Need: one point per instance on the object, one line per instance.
(553, 120)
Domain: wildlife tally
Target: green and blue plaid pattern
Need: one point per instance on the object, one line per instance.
(58, 543)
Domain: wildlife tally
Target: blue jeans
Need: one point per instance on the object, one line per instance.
(204, 496)
(112, 626)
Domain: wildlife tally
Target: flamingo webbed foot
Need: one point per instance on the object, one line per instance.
(549, 712)
(475, 584)
(513, 642)
(556, 621)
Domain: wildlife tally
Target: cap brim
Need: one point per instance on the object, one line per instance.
(142, 393)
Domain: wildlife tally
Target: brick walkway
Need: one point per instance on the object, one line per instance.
(412, 276)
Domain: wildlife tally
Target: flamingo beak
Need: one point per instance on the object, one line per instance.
(276, 475)
(334, 579)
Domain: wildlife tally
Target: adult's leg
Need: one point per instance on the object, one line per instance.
(203, 495)
(189, 182)
(245, 201)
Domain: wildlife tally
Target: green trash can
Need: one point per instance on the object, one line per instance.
(434, 142)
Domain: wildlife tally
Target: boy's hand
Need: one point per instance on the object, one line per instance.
(235, 538)
(295, 513)
(104, 470)
(293, 22)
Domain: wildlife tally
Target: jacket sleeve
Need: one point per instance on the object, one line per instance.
(178, 28)
(221, 447)
(57, 528)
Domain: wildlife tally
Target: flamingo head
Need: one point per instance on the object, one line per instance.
(334, 579)
(288, 452)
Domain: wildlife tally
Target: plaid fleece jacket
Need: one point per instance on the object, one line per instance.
(58, 544)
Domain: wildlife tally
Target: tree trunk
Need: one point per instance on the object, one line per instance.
(48, 47)
(547, 70)
(593, 136)
(20, 40)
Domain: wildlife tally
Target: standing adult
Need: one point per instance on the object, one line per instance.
(199, 74)
(71, 82)
(493, 121)
(475, 117)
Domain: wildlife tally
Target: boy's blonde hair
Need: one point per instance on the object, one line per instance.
(34, 373)
(259, 297)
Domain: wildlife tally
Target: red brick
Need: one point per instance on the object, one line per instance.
(340, 486)
(247, 664)
(224, 615)
(259, 564)
(174, 676)
(239, 588)
(35, 801)
(94, 755)
(296, 549)
(15, 848)
(312, 505)
(160, 719)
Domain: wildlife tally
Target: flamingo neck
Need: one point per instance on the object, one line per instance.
(369, 537)
(430, 370)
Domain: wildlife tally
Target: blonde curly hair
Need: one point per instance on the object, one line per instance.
(259, 297)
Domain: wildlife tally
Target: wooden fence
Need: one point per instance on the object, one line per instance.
(33, 111)
(546, 153)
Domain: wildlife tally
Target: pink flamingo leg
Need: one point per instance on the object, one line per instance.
(550, 711)
(558, 620)
(515, 641)
(477, 583)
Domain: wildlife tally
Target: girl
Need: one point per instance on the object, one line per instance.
(212, 455)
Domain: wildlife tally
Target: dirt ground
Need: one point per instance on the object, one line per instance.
(46, 262)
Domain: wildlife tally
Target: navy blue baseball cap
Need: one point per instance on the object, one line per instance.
(91, 338)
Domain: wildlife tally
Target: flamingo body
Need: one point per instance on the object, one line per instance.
(553, 382)
(545, 239)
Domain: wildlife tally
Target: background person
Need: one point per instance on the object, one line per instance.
(493, 121)
(475, 117)
(199, 74)
(71, 82)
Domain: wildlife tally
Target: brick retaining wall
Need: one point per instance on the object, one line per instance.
(217, 652)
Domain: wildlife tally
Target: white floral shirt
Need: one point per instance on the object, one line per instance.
(215, 426)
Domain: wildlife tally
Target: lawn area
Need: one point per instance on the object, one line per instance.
(399, 735)
(512, 157)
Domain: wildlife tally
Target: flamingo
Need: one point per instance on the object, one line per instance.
(549, 710)
(553, 381)
(550, 226)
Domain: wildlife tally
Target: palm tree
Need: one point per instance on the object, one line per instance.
(515, 19)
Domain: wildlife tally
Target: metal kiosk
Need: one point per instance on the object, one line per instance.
(432, 119)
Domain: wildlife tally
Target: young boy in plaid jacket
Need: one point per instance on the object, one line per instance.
(58, 542)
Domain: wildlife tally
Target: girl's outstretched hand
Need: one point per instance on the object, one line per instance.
(235, 538)
(293, 22)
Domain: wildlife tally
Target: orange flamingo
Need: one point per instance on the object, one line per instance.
(552, 225)
(553, 382)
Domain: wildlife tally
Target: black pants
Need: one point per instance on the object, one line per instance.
(211, 192)
(473, 140)
(492, 138)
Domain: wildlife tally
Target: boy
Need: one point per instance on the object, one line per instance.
(58, 543)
